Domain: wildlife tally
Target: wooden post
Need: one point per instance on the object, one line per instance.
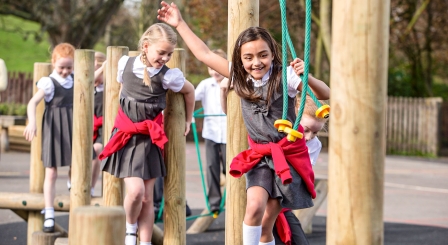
(82, 129)
(357, 136)
(97, 225)
(242, 15)
(134, 53)
(174, 182)
(37, 170)
(35, 201)
(112, 186)
(42, 238)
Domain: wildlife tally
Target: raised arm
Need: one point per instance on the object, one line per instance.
(319, 88)
(170, 14)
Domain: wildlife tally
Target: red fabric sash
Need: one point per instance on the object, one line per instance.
(97, 124)
(127, 128)
(283, 229)
(296, 153)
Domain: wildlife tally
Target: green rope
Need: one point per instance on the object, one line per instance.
(286, 40)
(158, 219)
(284, 60)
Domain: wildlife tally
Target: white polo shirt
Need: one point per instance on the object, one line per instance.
(214, 127)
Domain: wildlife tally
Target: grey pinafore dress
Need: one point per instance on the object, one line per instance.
(259, 121)
(139, 157)
(98, 110)
(57, 126)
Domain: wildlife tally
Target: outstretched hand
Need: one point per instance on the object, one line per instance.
(170, 14)
(298, 66)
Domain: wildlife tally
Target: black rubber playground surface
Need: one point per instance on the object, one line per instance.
(394, 233)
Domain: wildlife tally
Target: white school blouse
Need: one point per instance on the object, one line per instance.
(47, 85)
(174, 78)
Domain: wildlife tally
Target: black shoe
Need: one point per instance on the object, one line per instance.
(187, 210)
(48, 229)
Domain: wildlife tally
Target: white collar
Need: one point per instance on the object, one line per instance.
(60, 79)
(264, 79)
(139, 64)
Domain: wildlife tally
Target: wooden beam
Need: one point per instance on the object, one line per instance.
(113, 192)
(35, 201)
(241, 15)
(174, 183)
(357, 137)
(37, 170)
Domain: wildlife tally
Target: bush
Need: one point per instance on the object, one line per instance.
(13, 109)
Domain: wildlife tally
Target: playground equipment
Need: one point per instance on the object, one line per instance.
(357, 141)
(28, 205)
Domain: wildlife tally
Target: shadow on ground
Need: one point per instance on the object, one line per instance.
(395, 233)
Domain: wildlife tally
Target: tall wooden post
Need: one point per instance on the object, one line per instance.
(242, 15)
(82, 146)
(174, 182)
(357, 136)
(112, 186)
(37, 170)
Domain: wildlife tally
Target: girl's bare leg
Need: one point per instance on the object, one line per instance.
(146, 218)
(273, 209)
(257, 198)
(50, 186)
(96, 164)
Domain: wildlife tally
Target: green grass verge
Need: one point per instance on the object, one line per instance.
(18, 50)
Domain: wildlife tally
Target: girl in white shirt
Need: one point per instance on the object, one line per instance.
(57, 90)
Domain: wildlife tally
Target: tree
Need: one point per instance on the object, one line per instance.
(79, 22)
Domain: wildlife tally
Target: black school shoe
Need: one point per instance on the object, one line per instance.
(48, 229)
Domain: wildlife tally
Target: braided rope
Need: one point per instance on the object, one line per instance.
(286, 40)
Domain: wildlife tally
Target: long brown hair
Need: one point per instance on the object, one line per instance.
(239, 75)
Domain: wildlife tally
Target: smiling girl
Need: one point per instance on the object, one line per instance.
(145, 80)
(255, 72)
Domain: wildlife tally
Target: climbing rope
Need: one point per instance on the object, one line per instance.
(284, 125)
(197, 114)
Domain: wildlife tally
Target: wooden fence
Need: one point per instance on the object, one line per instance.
(413, 126)
(20, 88)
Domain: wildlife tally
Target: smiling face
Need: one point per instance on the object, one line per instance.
(256, 57)
(64, 66)
(158, 54)
(311, 126)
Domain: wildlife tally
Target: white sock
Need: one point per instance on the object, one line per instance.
(267, 243)
(49, 213)
(69, 184)
(251, 234)
(145, 243)
(131, 228)
(92, 191)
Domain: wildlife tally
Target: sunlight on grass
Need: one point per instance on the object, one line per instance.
(19, 50)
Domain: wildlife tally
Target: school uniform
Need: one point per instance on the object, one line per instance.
(98, 114)
(57, 122)
(259, 121)
(141, 156)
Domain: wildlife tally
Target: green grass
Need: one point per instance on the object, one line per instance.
(18, 52)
